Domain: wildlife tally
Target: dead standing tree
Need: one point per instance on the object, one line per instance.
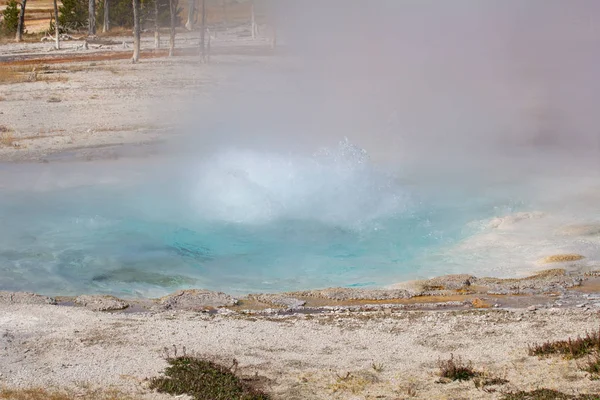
(173, 4)
(21, 23)
(156, 26)
(225, 12)
(92, 18)
(106, 23)
(56, 27)
(203, 54)
(191, 20)
(273, 18)
(253, 21)
(136, 31)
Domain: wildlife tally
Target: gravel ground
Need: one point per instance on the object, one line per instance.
(388, 356)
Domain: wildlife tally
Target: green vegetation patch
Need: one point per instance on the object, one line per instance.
(204, 380)
(9, 18)
(570, 348)
(593, 366)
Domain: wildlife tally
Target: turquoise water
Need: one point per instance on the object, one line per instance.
(237, 221)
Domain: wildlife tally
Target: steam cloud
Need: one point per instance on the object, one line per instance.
(461, 82)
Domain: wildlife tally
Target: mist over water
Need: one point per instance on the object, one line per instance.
(250, 221)
(240, 221)
(388, 140)
(338, 187)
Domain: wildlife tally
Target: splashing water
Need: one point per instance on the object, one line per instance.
(334, 187)
(239, 221)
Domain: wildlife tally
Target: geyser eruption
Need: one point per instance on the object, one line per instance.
(238, 220)
(335, 186)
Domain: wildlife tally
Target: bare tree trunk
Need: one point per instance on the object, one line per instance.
(191, 13)
(254, 27)
(136, 31)
(92, 18)
(274, 38)
(21, 23)
(207, 59)
(106, 25)
(156, 27)
(225, 13)
(56, 27)
(173, 10)
(203, 31)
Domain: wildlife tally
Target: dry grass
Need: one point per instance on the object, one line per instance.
(547, 394)
(488, 383)
(7, 138)
(8, 75)
(570, 348)
(30, 73)
(411, 388)
(455, 369)
(354, 383)
(62, 394)
(592, 366)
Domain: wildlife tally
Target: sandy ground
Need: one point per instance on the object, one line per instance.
(387, 356)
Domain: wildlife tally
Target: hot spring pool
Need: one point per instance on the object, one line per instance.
(242, 221)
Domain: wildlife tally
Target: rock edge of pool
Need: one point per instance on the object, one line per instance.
(550, 288)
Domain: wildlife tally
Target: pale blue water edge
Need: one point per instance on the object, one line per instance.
(238, 222)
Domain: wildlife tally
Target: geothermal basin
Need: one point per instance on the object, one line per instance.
(246, 221)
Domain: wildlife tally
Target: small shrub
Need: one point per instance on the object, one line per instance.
(456, 370)
(593, 366)
(10, 18)
(494, 381)
(377, 367)
(204, 380)
(547, 394)
(570, 348)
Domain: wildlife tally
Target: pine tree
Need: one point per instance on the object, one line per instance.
(73, 15)
(10, 18)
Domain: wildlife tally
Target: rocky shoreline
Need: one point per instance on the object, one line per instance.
(546, 289)
(322, 344)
